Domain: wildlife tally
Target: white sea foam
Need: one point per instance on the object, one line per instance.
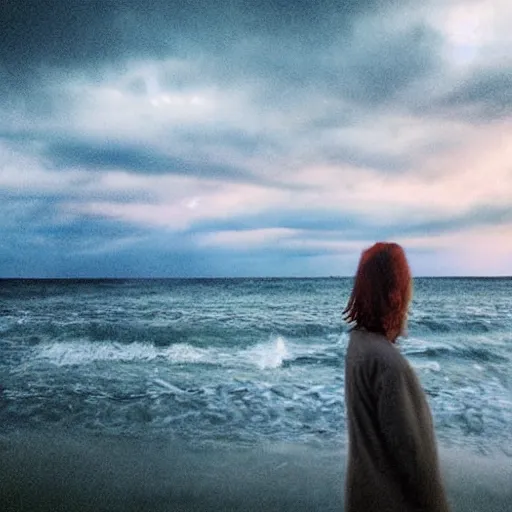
(266, 355)
(432, 366)
(82, 352)
(168, 386)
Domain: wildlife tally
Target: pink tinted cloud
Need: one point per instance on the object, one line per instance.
(444, 186)
(473, 175)
(479, 251)
(178, 202)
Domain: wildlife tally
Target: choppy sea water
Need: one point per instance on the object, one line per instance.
(241, 363)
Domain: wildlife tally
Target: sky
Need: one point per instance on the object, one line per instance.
(263, 138)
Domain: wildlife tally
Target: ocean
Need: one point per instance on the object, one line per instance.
(227, 394)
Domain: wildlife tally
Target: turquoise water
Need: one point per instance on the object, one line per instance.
(241, 361)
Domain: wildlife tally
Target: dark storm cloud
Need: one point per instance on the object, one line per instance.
(75, 32)
(104, 156)
(484, 96)
(294, 54)
(58, 152)
(41, 245)
(92, 247)
(38, 221)
(381, 68)
(84, 84)
(273, 39)
(369, 67)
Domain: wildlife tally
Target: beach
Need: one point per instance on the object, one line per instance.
(63, 473)
(172, 395)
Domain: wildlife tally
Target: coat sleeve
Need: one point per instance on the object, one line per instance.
(408, 433)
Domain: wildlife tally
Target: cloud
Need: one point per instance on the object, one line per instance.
(101, 32)
(469, 253)
(107, 156)
(171, 207)
(245, 239)
(485, 96)
(333, 225)
(202, 138)
(252, 100)
(352, 54)
(350, 201)
(382, 63)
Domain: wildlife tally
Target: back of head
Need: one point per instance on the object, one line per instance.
(382, 291)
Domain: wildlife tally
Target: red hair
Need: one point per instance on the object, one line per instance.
(381, 292)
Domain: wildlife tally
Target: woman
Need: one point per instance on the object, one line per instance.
(392, 460)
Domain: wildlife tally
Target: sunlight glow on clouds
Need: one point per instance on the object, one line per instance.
(475, 32)
(468, 28)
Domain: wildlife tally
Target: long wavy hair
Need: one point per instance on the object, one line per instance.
(382, 291)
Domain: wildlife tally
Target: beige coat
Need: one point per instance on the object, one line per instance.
(392, 461)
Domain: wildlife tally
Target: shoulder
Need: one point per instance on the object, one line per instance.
(371, 355)
(374, 354)
(373, 347)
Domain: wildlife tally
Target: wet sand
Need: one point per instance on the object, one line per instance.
(62, 472)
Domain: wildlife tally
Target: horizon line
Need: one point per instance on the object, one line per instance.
(191, 278)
